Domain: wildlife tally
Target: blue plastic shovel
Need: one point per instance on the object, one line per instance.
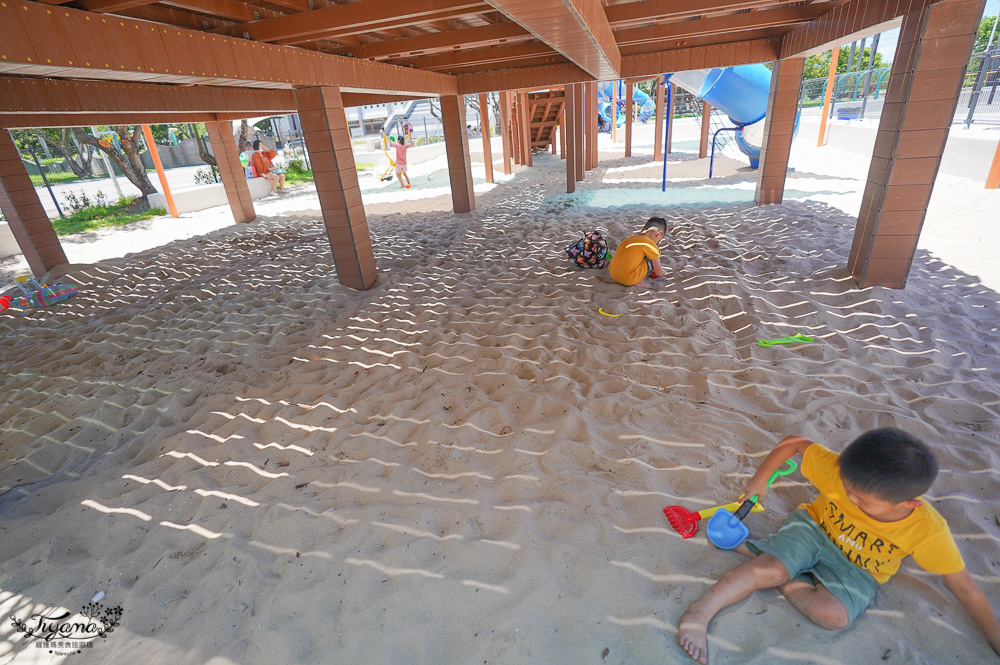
(726, 530)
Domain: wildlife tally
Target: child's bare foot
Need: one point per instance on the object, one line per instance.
(692, 635)
(645, 284)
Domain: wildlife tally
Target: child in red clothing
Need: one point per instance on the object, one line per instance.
(401, 147)
(261, 159)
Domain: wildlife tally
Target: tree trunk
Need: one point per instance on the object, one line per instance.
(83, 169)
(127, 159)
(244, 133)
(202, 151)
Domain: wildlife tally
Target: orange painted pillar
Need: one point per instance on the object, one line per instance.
(932, 52)
(562, 128)
(324, 123)
(505, 129)
(24, 212)
(827, 96)
(706, 119)
(456, 139)
(658, 119)
(993, 179)
(231, 170)
(628, 119)
(515, 128)
(148, 134)
(572, 147)
(614, 111)
(779, 125)
(578, 132)
(484, 114)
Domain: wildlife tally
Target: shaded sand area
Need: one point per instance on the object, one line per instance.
(468, 463)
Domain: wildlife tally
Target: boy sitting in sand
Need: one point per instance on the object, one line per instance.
(638, 257)
(829, 556)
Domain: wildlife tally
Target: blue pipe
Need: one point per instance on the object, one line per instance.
(711, 161)
(666, 134)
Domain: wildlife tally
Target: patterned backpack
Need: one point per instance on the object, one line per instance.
(591, 251)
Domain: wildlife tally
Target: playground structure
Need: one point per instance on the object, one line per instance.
(611, 103)
(219, 64)
(740, 93)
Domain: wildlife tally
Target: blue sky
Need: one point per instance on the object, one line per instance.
(887, 42)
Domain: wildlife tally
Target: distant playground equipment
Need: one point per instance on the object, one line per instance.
(42, 295)
(387, 175)
(739, 92)
(611, 104)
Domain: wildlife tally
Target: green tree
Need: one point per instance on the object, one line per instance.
(985, 30)
(124, 153)
(818, 66)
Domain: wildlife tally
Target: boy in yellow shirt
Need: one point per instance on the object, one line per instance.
(638, 257)
(867, 518)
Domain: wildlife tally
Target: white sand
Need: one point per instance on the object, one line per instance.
(468, 462)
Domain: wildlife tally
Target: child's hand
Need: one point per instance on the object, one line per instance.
(756, 487)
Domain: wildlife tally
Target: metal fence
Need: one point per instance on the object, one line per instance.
(861, 94)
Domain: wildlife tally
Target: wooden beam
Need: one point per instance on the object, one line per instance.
(571, 145)
(505, 129)
(845, 23)
(111, 6)
(655, 11)
(129, 50)
(484, 128)
(355, 18)
(657, 34)
(645, 65)
(578, 29)
(466, 38)
(482, 57)
(658, 119)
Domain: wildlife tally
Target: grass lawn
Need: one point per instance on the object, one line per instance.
(96, 217)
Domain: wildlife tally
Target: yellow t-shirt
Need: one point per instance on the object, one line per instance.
(627, 265)
(878, 547)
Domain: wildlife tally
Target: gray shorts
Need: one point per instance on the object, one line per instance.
(806, 551)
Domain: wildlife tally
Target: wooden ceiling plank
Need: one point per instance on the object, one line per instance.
(111, 6)
(467, 38)
(718, 25)
(652, 11)
(352, 18)
(578, 29)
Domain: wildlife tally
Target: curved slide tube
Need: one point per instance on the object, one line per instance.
(647, 106)
(739, 92)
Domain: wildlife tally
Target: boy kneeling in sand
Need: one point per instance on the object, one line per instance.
(867, 518)
(638, 257)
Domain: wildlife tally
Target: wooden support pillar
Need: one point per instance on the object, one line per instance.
(628, 118)
(591, 125)
(578, 131)
(484, 115)
(524, 118)
(505, 129)
(457, 149)
(324, 124)
(670, 118)
(993, 178)
(706, 127)
(24, 212)
(234, 179)
(515, 128)
(562, 129)
(658, 119)
(572, 147)
(932, 52)
(782, 105)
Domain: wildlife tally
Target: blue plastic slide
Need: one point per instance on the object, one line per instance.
(739, 92)
(647, 106)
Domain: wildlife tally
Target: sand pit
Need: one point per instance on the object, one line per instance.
(468, 463)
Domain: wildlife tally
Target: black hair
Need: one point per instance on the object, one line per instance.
(246, 143)
(656, 222)
(889, 464)
(256, 144)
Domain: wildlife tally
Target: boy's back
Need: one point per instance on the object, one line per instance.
(873, 545)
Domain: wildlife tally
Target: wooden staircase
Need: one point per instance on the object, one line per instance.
(545, 110)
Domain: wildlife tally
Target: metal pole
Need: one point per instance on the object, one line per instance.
(107, 165)
(977, 88)
(868, 76)
(666, 135)
(46, 180)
